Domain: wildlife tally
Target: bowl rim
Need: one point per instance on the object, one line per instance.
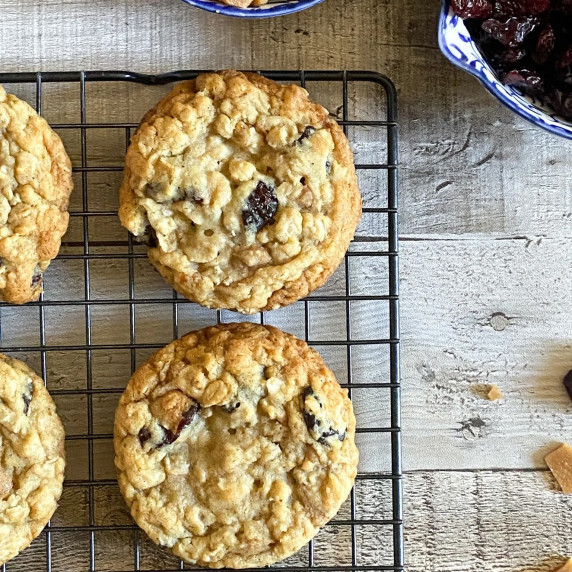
(255, 12)
(563, 129)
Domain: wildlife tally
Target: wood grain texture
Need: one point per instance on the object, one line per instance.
(485, 311)
(486, 223)
(503, 521)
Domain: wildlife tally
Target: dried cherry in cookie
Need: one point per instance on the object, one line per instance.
(248, 472)
(308, 131)
(169, 436)
(144, 435)
(261, 206)
(321, 426)
(249, 188)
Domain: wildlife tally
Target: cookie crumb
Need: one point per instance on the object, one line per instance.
(560, 463)
(494, 393)
(567, 566)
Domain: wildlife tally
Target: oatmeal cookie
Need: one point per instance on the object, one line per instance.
(244, 189)
(35, 184)
(32, 458)
(234, 444)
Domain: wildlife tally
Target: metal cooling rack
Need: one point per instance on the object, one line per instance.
(364, 535)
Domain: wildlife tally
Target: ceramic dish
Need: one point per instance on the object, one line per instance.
(273, 8)
(456, 44)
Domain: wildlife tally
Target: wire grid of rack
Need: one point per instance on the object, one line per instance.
(92, 531)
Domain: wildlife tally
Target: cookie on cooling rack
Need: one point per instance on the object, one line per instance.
(35, 184)
(234, 444)
(32, 458)
(244, 189)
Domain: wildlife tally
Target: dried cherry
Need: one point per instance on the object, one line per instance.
(527, 42)
(473, 8)
(37, 278)
(187, 418)
(144, 435)
(306, 134)
(261, 206)
(314, 424)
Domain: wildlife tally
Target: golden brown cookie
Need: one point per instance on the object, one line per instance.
(32, 458)
(244, 189)
(234, 445)
(35, 184)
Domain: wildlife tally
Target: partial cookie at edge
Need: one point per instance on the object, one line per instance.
(32, 457)
(35, 184)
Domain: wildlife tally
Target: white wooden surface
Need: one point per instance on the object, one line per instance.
(486, 225)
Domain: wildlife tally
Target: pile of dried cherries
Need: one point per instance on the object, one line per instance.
(528, 43)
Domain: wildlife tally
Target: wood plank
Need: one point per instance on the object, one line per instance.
(478, 311)
(487, 521)
(456, 521)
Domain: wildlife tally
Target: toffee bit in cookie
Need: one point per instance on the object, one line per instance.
(260, 208)
(188, 417)
(306, 134)
(144, 435)
(568, 383)
(230, 407)
(560, 463)
(27, 397)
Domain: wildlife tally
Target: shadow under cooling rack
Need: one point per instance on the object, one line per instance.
(105, 310)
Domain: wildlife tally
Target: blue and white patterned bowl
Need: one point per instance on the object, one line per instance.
(456, 44)
(273, 8)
